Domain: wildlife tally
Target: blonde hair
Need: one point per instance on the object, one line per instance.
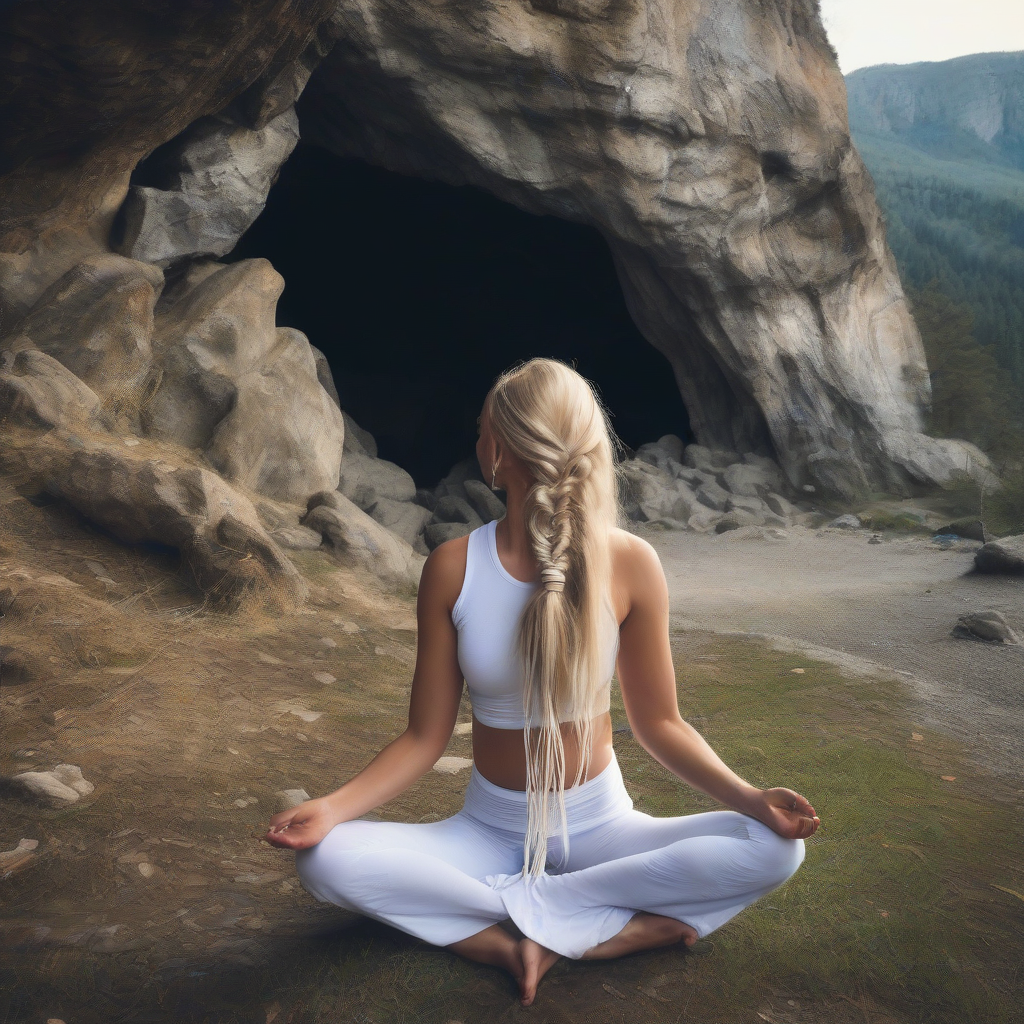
(549, 416)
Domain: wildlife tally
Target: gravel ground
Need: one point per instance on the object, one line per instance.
(891, 604)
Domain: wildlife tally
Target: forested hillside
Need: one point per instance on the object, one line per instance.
(944, 143)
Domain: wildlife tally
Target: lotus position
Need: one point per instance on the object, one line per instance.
(536, 611)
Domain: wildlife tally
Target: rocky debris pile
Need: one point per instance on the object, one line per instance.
(1004, 556)
(679, 486)
(990, 626)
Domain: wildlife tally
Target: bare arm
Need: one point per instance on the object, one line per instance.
(647, 678)
(433, 709)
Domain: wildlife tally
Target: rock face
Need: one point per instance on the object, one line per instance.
(708, 142)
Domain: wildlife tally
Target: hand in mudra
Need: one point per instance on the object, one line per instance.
(787, 813)
(301, 826)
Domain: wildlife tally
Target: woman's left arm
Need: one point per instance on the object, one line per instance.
(648, 683)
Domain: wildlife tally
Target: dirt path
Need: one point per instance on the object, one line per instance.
(893, 604)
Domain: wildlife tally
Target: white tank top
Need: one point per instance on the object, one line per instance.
(486, 615)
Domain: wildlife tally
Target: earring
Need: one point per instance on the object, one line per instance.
(493, 471)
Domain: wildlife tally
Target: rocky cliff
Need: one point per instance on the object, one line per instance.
(970, 106)
(706, 139)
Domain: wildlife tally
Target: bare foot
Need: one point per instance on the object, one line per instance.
(537, 961)
(496, 947)
(643, 931)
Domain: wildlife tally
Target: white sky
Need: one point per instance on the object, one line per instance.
(866, 32)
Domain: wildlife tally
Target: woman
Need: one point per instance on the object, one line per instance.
(535, 611)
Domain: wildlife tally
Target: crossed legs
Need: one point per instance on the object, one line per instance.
(680, 877)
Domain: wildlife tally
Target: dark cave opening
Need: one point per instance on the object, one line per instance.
(420, 294)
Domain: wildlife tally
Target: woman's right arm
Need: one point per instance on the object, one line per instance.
(433, 708)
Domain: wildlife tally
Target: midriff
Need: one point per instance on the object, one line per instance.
(500, 755)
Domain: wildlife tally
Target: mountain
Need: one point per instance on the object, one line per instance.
(944, 142)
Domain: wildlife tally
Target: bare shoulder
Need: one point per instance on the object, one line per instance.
(637, 573)
(444, 571)
(633, 555)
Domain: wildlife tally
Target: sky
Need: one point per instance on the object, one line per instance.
(866, 32)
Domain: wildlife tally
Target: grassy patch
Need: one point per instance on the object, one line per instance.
(898, 522)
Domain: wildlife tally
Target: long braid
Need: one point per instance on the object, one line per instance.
(549, 416)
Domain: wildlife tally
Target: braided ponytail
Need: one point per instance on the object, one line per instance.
(549, 416)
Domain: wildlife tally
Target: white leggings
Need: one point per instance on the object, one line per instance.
(447, 880)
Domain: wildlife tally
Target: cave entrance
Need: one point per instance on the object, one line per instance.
(420, 293)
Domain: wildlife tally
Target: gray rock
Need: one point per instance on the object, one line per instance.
(844, 522)
(286, 799)
(216, 177)
(425, 497)
(453, 481)
(97, 320)
(326, 378)
(358, 540)
(1004, 556)
(735, 520)
(748, 480)
(37, 391)
(486, 503)
(364, 480)
(216, 528)
(403, 518)
(648, 494)
(673, 446)
(709, 460)
(357, 439)
(283, 436)
(752, 506)
(61, 785)
(968, 529)
(989, 626)
(713, 496)
(452, 509)
(780, 506)
(703, 519)
(438, 533)
(297, 538)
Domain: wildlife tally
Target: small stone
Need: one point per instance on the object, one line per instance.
(463, 729)
(324, 677)
(798, 671)
(146, 869)
(990, 626)
(286, 799)
(269, 659)
(328, 642)
(846, 522)
(451, 765)
(875, 539)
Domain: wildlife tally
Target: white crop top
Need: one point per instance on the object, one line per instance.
(486, 615)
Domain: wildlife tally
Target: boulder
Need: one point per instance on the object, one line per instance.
(296, 538)
(780, 506)
(450, 508)
(714, 496)
(205, 188)
(709, 460)
(283, 436)
(748, 480)
(752, 506)
(485, 502)
(97, 320)
(405, 519)
(968, 529)
(989, 626)
(365, 480)
(648, 494)
(357, 540)
(703, 519)
(37, 391)
(438, 533)
(326, 378)
(736, 519)
(1004, 556)
(356, 438)
(138, 499)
